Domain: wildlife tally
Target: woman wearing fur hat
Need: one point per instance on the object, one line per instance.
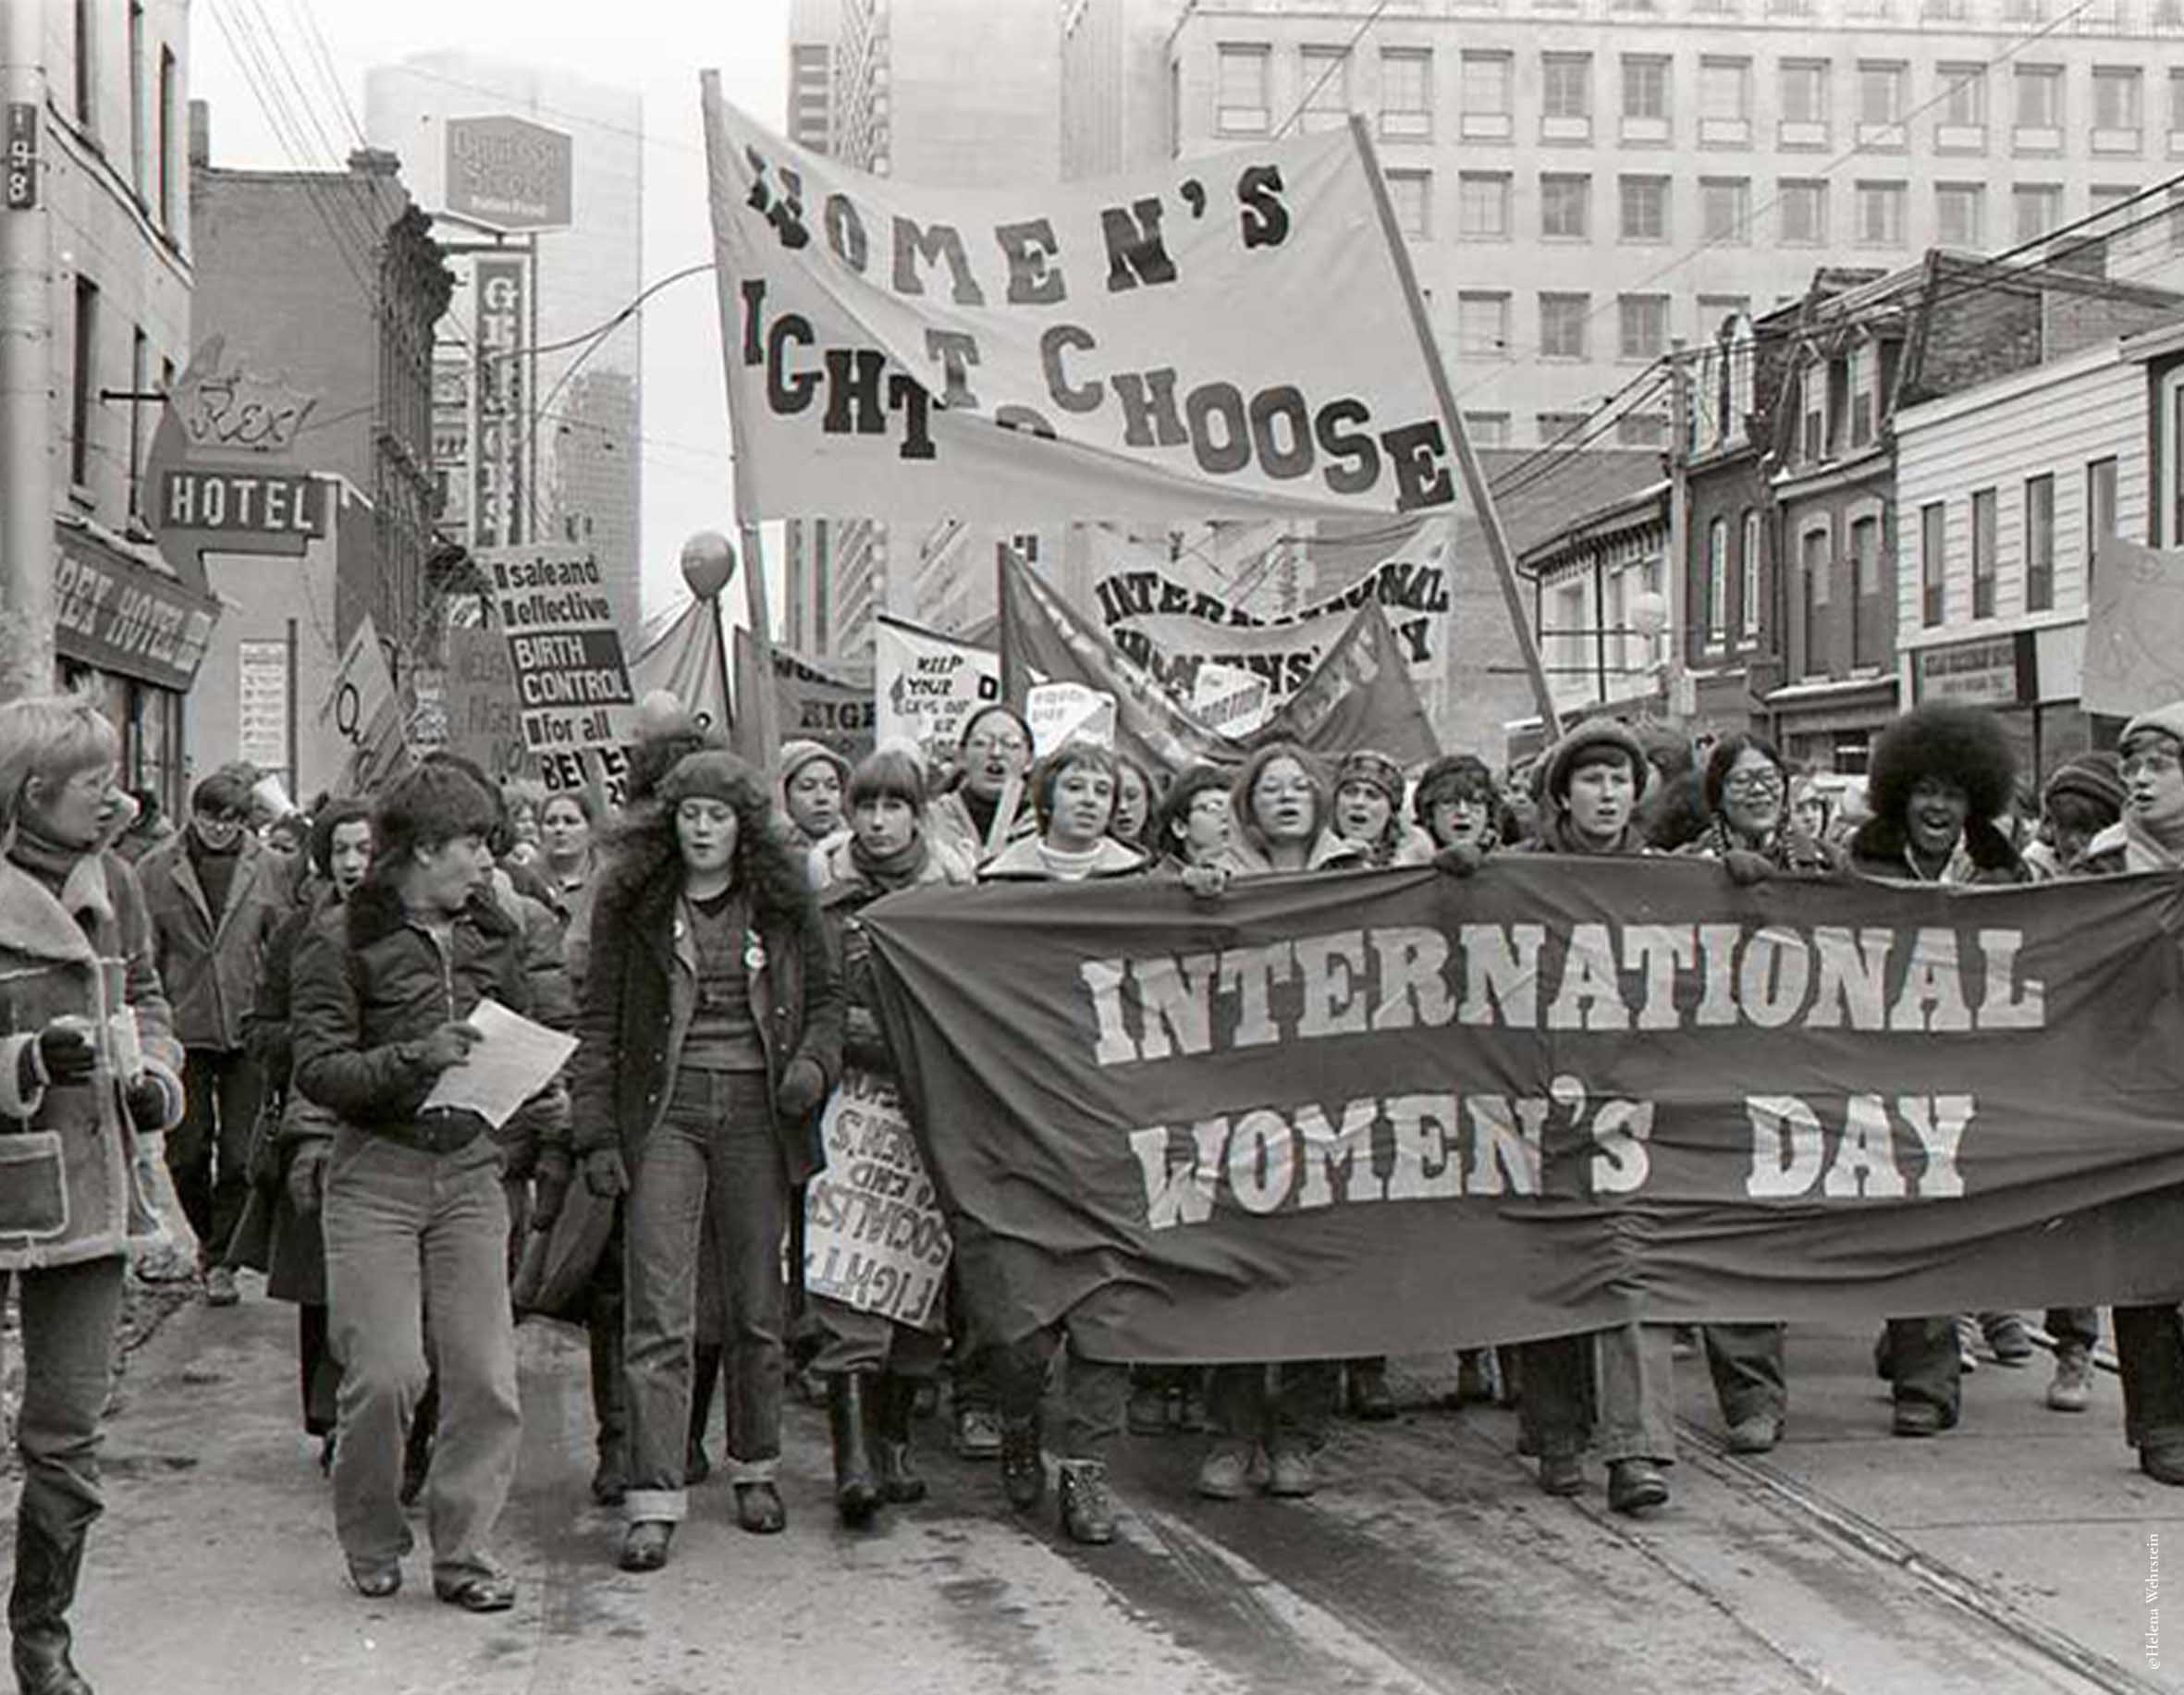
(1941, 777)
(84, 1107)
(711, 1033)
(1369, 810)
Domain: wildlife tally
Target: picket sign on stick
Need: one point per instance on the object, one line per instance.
(1475, 482)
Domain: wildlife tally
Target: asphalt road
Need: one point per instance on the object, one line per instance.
(2009, 1556)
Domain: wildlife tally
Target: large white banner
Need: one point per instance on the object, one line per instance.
(1224, 337)
(925, 687)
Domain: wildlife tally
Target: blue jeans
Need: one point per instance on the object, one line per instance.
(1613, 1388)
(715, 1156)
(408, 1230)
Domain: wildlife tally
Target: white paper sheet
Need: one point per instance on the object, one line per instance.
(511, 1061)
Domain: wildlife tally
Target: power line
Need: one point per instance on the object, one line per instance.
(1337, 63)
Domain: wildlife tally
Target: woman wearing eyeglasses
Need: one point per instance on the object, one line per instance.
(996, 747)
(1747, 789)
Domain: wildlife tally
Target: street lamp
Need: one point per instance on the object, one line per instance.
(1647, 614)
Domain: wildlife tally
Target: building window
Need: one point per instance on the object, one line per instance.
(1645, 87)
(1865, 587)
(2177, 102)
(1325, 73)
(2040, 544)
(1560, 429)
(1645, 208)
(2039, 208)
(1482, 326)
(1645, 325)
(1716, 587)
(1562, 324)
(1812, 585)
(1411, 193)
(2110, 198)
(1933, 530)
(87, 54)
(1880, 101)
(1864, 372)
(166, 161)
(1881, 215)
(2119, 107)
(1487, 429)
(137, 136)
(1964, 103)
(2099, 508)
(1804, 103)
(140, 373)
(1802, 213)
(1566, 97)
(1407, 92)
(1960, 213)
(1642, 430)
(1482, 206)
(1983, 538)
(2040, 105)
(1566, 207)
(2175, 219)
(1724, 102)
(83, 386)
(1244, 106)
(1725, 210)
(1813, 413)
(1749, 578)
(1485, 95)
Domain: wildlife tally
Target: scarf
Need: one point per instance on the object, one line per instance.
(2144, 851)
(981, 808)
(1557, 835)
(45, 859)
(904, 866)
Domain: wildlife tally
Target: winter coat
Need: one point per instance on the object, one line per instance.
(295, 1249)
(74, 1176)
(2121, 848)
(371, 985)
(1801, 855)
(210, 962)
(948, 818)
(1243, 857)
(847, 894)
(1021, 862)
(640, 991)
(1879, 847)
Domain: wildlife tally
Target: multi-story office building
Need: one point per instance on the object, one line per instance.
(581, 458)
(1585, 182)
(897, 103)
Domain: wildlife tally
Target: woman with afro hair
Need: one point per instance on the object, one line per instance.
(1941, 777)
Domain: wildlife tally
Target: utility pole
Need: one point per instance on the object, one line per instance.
(1675, 680)
(27, 443)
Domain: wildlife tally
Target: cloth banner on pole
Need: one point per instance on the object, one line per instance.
(1361, 694)
(2134, 628)
(874, 1235)
(1399, 1110)
(1222, 337)
(830, 705)
(684, 660)
(926, 687)
(1177, 616)
(364, 709)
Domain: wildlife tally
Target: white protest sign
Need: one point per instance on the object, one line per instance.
(572, 689)
(2134, 628)
(1061, 712)
(1223, 336)
(1230, 699)
(360, 707)
(925, 687)
(874, 1236)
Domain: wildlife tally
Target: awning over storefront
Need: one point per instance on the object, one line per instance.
(117, 613)
(1853, 703)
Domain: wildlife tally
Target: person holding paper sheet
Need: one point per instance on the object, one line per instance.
(711, 1034)
(90, 1078)
(414, 1211)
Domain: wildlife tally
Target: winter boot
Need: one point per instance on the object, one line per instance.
(45, 1575)
(1088, 1510)
(898, 1406)
(1024, 1468)
(849, 1396)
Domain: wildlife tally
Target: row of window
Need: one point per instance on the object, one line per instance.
(157, 167)
(1483, 327)
(84, 384)
(1649, 93)
(2037, 535)
(1496, 429)
(1799, 213)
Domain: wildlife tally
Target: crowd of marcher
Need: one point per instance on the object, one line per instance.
(221, 1045)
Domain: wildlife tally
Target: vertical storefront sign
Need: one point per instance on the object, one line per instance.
(501, 398)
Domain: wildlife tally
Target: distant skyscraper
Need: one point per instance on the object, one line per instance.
(582, 413)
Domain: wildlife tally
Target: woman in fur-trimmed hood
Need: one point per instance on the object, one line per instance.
(1941, 776)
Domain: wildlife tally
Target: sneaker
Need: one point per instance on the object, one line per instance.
(1226, 1473)
(1087, 1510)
(1967, 1342)
(2007, 1338)
(219, 1288)
(2071, 1388)
(1023, 1469)
(1921, 1419)
(1636, 1485)
(1290, 1473)
(1757, 1435)
(1148, 1411)
(1561, 1474)
(977, 1434)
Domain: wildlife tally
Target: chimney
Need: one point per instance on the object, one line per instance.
(200, 135)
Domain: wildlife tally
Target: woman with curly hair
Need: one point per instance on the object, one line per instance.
(711, 1032)
(1941, 777)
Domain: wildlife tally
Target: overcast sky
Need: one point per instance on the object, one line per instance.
(654, 47)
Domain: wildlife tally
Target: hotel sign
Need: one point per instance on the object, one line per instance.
(227, 501)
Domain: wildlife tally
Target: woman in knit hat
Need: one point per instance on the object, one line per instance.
(813, 776)
(711, 1033)
(1457, 800)
(2085, 798)
(1369, 810)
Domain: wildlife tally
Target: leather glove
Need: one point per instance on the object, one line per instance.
(1459, 859)
(605, 1174)
(804, 1086)
(307, 1175)
(67, 1054)
(146, 1100)
(550, 1188)
(1744, 868)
